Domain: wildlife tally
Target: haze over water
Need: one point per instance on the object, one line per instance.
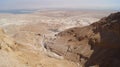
(52, 4)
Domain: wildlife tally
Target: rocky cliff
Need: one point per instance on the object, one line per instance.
(96, 45)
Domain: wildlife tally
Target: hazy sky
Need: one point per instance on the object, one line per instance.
(37, 4)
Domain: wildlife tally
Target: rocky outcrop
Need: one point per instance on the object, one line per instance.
(6, 43)
(16, 53)
(96, 45)
(7, 48)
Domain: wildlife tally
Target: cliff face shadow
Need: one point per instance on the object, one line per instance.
(104, 57)
(107, 51)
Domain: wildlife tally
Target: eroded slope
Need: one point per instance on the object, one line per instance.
(95, 45)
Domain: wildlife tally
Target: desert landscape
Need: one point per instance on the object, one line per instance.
(60, 38)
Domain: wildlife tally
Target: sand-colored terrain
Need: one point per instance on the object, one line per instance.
(21, 42)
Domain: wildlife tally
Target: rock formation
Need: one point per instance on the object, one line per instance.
(96, 45)
(18, 54)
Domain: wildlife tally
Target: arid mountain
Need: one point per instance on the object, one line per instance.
(96, 45)
(33, 40)
(19, 54)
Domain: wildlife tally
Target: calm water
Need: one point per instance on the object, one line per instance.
(17, 11)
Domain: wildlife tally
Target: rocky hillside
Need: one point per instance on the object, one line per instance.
(96, 45)
(19, 54)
